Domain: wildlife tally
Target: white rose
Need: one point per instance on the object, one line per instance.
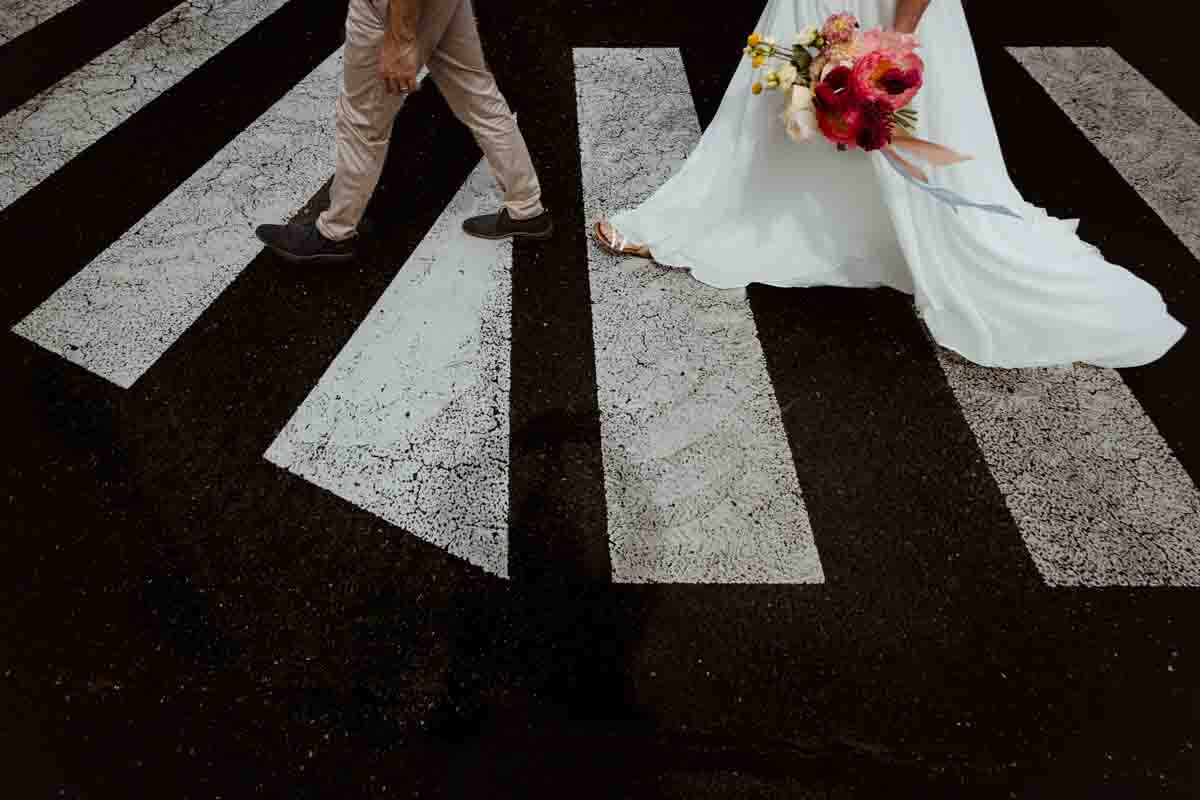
(800, 116)
(787, 77)
(802, 97)
(806, 36)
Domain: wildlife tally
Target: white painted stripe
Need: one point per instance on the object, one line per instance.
(45, 133)
(19, 16)
(1147, 138)
(698, 474)
(119, 314)
(1098, 495)
(411, 421)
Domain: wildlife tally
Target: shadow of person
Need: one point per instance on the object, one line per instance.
(557, 682)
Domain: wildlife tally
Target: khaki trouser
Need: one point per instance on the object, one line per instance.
(449, 42)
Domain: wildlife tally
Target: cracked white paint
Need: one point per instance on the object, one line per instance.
(42, 135)
(699, 478)
(1147, 138)
(411, 420)
(1097, 493)
(120, 313)
(20, 16)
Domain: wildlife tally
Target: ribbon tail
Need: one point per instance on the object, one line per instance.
(952, 199)
(935, 154)
(900, 162)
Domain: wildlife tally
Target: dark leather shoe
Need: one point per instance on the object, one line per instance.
(302, 243)
(502, 226)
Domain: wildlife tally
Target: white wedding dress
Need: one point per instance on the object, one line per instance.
(752, 206)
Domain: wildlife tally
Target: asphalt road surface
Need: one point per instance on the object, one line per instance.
(475, 520)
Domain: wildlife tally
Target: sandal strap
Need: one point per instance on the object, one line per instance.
(623, 245)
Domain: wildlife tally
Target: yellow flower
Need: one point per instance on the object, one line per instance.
(753, 39)
(756, 88)
(758, 61)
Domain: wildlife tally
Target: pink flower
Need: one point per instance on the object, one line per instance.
(878, 76)
(844, 53)
(840, 28)
(896, 45)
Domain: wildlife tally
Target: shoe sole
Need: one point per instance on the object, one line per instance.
(540, 236)
(325, 258)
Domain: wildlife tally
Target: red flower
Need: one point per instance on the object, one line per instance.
(834, 94)
(841, 127)
(839, 78)
(837, 107)
(875, 125)
(826, 99)
(898, 81)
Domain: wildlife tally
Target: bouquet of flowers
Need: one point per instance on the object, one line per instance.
(856, 89)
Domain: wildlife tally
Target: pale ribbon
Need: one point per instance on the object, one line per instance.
(940, 156)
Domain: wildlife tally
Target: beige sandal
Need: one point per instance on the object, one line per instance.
(617, 244)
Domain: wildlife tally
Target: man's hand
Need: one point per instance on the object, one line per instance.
(399, 63)
(400, 57)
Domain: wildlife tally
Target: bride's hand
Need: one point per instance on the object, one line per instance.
(908, 15)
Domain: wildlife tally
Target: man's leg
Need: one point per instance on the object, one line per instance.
(458, 67)
(365, 113)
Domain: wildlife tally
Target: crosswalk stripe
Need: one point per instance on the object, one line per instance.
(699, 478)
(119, 314)
(1098, 495)
(411, 420)
(42, 135)
(1150, 141)
(19, 16)
(50, 47)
